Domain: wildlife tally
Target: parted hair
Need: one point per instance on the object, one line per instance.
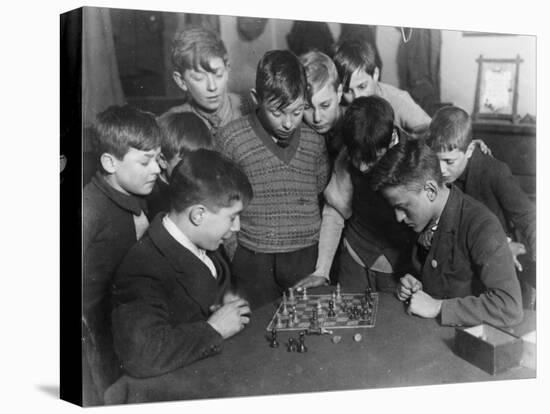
(183, 132)
(280, 78)
(409, 164)
(352, 55)
(450, 129)
(320, 71)
(194, 47)
(367, 128)
(210, 178)
(119, 128)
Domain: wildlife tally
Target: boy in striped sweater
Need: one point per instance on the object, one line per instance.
(287, 164)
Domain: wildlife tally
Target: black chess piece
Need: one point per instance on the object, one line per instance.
(301, 346)
(274, 343)
(331, 313)
(291, 346)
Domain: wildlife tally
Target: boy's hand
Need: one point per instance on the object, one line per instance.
(517, 249)
(482, 146)
(230, 318)
(313, 280)
(408, 285)
(424, 305)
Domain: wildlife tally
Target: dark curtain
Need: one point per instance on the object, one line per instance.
(361, 32)
(306, 36)
(418, 63)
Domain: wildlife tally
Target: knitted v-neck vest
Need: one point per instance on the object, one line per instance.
(284, 214)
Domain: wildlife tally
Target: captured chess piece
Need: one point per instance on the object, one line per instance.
(301, 345)
(274, 343)
(291, 345)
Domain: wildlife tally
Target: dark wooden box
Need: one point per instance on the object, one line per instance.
(489, 348)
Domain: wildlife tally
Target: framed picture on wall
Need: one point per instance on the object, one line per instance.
(497, 89)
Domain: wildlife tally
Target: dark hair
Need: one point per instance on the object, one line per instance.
(280, 78)
(208, 177)
(183, 132)
(367, 128)
(193, 48)
(119, 128)
(450, 129)
(352, 55)
(410, 164)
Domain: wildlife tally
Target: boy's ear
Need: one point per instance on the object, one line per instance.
(470, 149)
(108, 162)
(394, 137)
(161, 159)
(431, 189)
(376, 74)
(196, 214)
(254, 96)
(178, 78)
(339, 92)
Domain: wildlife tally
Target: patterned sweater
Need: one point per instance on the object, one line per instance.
(284, 214)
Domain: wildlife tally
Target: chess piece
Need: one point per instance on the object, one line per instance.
(279, 324)
(304, 293)
(291, 296)
(319, 306)
(301, 345)
(274, 343)
(331, 313)
(291, 346)
(290, 320)
(338, 293)
(295, 317)
(284, 311)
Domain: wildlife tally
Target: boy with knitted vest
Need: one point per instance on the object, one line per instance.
(113, 218)
(287, 164)
(201, 70)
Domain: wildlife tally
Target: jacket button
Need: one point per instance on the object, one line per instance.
(434, 263)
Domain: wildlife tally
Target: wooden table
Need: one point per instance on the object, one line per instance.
(400, 350)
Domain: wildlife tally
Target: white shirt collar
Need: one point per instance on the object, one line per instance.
(182, 239)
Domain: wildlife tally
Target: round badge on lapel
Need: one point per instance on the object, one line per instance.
(434, 263)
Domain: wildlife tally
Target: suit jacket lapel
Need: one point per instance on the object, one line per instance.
(192, 274)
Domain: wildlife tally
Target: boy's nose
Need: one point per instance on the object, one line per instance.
(211, 83)
(155, 166)
(287, 123)
(399, 216)
(316, 116)
(443, 166)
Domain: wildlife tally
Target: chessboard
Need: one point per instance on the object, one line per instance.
(351, 310)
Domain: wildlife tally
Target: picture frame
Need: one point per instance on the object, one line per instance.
(496, 94)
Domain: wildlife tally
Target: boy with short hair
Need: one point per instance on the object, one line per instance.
(323, 112)
(201, 70)
(482, 177)
(113, 217)
(182, 132)
(288, 167)
(356, 64)
(465, 271)
(172, 298)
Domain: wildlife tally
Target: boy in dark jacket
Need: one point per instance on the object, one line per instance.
(113, 218)
(172, 302)
(464, 270)
(483, 177)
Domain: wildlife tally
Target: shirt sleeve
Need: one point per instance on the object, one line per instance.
(500, 304)
(409, 115)
(332, 224)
